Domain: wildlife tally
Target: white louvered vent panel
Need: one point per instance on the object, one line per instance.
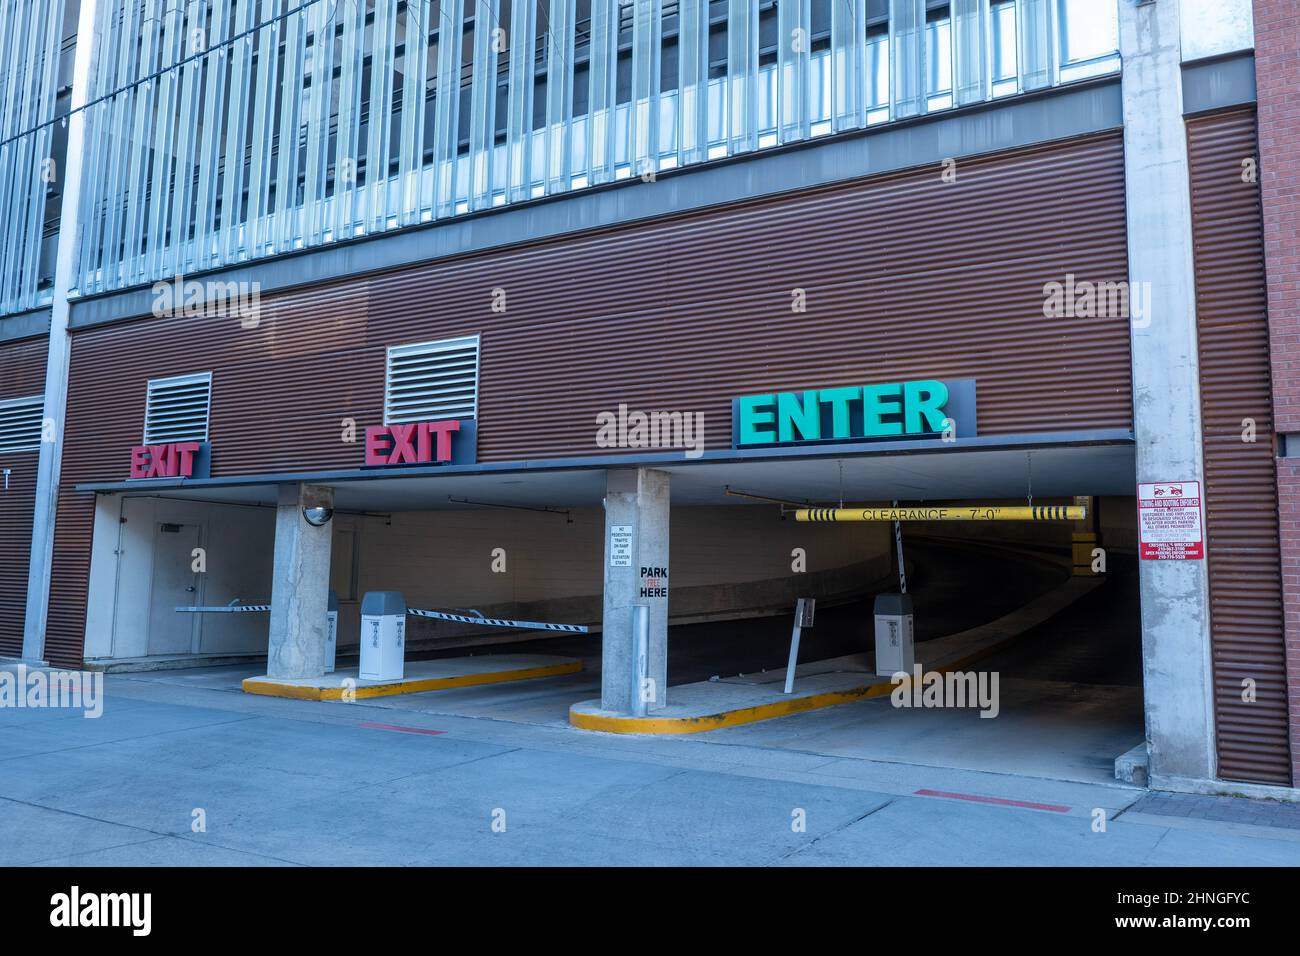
(177, 409)
(20, 424)
(431, 381)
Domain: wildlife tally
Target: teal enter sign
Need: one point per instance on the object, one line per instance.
(894, 410)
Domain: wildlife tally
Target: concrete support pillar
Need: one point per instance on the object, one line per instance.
(58, 357)
(300, 585)
(636, 572)
(1177, 681)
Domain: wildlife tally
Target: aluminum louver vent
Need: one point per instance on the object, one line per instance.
(20, 424)
(432, 381)
(177, 409)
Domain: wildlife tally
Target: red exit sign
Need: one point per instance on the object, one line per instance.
(416, 443)
(173, 460)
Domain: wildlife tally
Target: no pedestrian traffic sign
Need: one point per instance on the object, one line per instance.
(1170, 523)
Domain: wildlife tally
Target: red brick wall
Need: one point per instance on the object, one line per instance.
(1277, 74)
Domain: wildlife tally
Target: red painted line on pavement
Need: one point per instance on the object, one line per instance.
(999, 801)
(401, 729)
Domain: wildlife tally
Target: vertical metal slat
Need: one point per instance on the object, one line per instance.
(907, 55)
(378, 121)
(519, 102)
(482, 103)
(1034, 34)
(643, 114)
(216, 66)
(793, 53)
(742, 75)
(233, 218)
(446, 117)
(414, 78)
(559, 96)
(602, 95)
(969, 29)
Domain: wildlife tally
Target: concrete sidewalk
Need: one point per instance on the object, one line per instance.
(282, 782)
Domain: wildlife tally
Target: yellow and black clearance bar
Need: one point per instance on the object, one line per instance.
(963, 513)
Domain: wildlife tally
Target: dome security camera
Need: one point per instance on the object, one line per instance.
(317, 517)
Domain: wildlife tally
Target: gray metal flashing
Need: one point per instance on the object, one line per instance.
(25, 325)
(1112, 436)
(1052, 115)
(1218, 83)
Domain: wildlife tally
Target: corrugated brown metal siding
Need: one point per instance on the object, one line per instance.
(1243, 549)
(17, 504)
(904, 276)
(22, 374)
(65, 627)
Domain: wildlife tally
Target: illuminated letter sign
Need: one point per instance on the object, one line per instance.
(186, 459)
(420, 443)
(926, 408)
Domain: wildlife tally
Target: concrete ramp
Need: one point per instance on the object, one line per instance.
(714, 704)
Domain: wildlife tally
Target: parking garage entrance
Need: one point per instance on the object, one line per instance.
(1009, 600)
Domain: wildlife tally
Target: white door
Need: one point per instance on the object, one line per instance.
(175, 584)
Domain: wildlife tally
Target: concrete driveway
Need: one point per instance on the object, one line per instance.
(184, 772)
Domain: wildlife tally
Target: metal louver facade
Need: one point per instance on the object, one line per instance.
(20, 423)
(177, 409)
(1243, 548)
(430, 381)
(35, 48)
(232, 130)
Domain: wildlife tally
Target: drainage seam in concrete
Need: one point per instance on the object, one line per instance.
(839, 829)
(156, 834)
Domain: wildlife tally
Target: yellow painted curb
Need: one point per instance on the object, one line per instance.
(255, 685)
(611, 724)
(750, 715)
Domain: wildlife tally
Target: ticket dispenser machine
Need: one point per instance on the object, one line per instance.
(331, 632)
(894, 647)
(383, 635)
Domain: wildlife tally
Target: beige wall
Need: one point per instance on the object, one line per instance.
(724, 561)
(238, 543)
(445, 557)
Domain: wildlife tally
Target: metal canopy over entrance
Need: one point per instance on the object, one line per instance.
(948, 474)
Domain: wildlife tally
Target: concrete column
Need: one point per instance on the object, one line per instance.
(300, 585)
(1177, 681)
(58, 356)
(636, 566)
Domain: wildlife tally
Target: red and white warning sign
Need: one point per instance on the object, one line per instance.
(1170, 524)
